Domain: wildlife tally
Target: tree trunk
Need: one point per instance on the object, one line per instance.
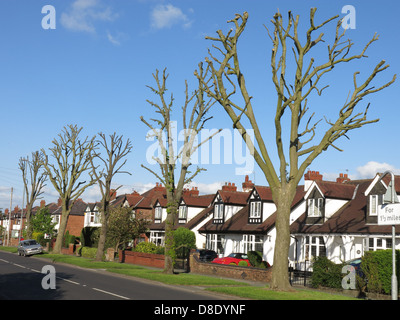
(280, 274)
(102, 239)
(169, 240)
(61, 232)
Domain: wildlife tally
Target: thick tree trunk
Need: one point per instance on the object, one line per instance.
(102, 238)
(169, 240)
(61, 232)
(280, 274)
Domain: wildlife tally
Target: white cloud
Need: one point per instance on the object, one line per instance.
(165, 16)
(83, 13)
(370, 169)
(112, 39)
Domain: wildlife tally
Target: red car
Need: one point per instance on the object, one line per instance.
(233, 258)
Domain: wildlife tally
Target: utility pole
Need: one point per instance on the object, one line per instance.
(9, 220)
(23, 198)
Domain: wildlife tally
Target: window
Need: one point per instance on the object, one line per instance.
(215, 242)
(374, 201)
(255, 209)
(157, 238)
(314, 247)
(218, 213)
(255, 212)
(253, 243)
(183, 212)
(375, 244)
(315, 207)
(157, 213)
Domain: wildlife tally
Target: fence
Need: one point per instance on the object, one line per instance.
(301, 274)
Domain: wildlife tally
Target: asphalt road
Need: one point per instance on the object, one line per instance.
(22, 278)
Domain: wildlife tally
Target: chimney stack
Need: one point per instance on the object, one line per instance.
(342, 178)
(247, 185)
(311, 176)
(229, 187)
(42, 204)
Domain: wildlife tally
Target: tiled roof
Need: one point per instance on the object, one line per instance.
(350, 219)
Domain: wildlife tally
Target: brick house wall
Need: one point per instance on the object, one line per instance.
(75, 225)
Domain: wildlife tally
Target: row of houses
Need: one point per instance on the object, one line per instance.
(337, 219)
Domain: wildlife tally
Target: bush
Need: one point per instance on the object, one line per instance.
(90, 236)
(184, 237)
(148, 247)
(87, 252)
(256, 260)
(377, 268)
(326, 273)
(242, 264)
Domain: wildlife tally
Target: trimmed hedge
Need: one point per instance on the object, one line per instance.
(326, 273)
(377, 267)
(88, 252)
(148, 247)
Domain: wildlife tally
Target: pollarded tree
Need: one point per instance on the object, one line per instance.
(72, 161)
(194, 115)
(33, 185)
(112, 162)
(297, 145)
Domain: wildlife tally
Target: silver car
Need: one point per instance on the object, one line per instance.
(29, 247)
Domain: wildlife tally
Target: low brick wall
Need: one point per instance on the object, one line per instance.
(236, 272)
(144, 259)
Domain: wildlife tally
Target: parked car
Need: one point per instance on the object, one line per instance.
(29, 247)
(233, 259)
(207, 255)
(356, 263)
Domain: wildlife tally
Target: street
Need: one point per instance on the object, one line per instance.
(21, 279)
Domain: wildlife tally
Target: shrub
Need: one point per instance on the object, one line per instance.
(184, 237)
(90, 236)
(88, 252)
(377, 267)
(326, 273)
(148, 247)
(254, 258)
(242, 264)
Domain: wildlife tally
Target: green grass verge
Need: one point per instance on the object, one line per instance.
(214, 284)
(263, 293)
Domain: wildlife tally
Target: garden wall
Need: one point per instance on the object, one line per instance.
(144, 259)
(236, 272)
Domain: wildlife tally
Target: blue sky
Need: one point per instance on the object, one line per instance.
(93, 68)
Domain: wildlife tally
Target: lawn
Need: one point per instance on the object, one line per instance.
(214, 284)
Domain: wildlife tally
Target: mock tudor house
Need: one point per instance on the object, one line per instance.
(191, 204)
(340, 220)
(333, 219)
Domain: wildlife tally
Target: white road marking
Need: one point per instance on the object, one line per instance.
(70, 281)
(112, 294)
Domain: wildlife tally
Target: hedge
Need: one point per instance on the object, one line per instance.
(88, 252)
(326, 273)
(377, 267)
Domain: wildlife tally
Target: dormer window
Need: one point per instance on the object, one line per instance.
(374, 201)
(219, 213)
(315, 207)
(157, 214)
(182, 214)
(255, 212)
